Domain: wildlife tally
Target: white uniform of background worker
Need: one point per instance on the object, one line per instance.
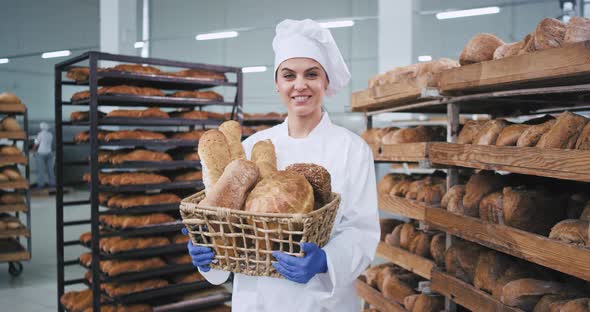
(322, 281)
(43, 144)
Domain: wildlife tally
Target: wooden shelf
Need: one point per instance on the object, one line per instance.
(13, 208)
(11, 250)
(376, 299)
(383, 97)
(16, 232)
(13, 135)
(13, 159)
(544, 68)
(555, 163)
(467, 295)
(24, 184)
(407, 152)
(12, 108)
(405, 259)
(401, 206)
(538, 249)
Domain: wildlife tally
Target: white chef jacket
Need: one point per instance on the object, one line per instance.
(355, 234)
(44, 140)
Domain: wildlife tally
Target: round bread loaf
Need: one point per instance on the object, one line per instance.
(10, 124)
(9, 98)
(320, 181)
(10, 150)
(12, 174)
(479, 49)
(282, 192)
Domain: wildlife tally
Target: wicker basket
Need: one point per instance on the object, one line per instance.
(244, 241)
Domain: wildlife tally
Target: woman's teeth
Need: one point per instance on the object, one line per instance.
(301, 98)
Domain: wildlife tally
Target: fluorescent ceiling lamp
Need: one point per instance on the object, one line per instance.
(139, 44)
(4, 60)
(424, 58)
(254, 69)
(337, 24)
(470, 12)
(217, 35)
(56, 54)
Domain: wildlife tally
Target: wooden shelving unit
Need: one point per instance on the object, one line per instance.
(405, 259)
(549, 81)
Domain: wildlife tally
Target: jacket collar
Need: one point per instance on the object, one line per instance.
(324, 124)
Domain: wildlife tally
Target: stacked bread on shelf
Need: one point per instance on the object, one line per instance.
(425, 189)
(81, 74)
(566, 131)
(512, 281)
(549, 33)
(418, 75)
(399, 285)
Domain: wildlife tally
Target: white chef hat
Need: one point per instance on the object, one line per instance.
(44, 126)
(307, 38)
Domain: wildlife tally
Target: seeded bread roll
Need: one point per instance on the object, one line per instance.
(214, 153)
(320, 181)
(233, 134)
(265, 157)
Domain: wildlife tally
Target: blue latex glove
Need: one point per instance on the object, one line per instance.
(202, 256)
(301, 270)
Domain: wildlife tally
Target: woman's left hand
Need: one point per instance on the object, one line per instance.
(301, 270)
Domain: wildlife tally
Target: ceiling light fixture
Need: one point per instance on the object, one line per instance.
(217, 35)
(4, 60)
(254, 69)
(337, 24)
(466, 13)
(424, 58)
(139, 44)
(56, 54)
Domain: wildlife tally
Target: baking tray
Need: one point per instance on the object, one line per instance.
(141, 209)
(145, 230)
(196, 184)
(127, 121)
(136, 276)
(172, 164)
(145, 100)
(136, 253)
(149, 294)
(114, 78)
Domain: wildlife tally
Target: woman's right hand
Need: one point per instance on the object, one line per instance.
(201, 256)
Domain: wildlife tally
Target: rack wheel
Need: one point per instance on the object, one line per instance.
(15, 268)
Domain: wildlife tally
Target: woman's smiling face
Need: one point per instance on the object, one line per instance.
(302, 83)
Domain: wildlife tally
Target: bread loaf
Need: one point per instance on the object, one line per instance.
(479, 49)
(549, 33)
(478, 186)
(409, 302)
(230, 191)
(577, 30)
(385, 225)
(320, 181)
(427, 303)
(469, 131)
(583, 142)
(531, 210)
(385, 184)
(491, 208)
(394, 238)
(491, 265)
(12, 174)
(564, 133)
(9, 98)
(490, 131)
(461, 260)
(214, 153)
(410, 135)
(401, 188)
(282, 192)
(508, 49)
(577, 305)
(370, 275)
(571, 231)
(438, 248)
(10, 150)
(407, 234)
(420, 245)
(453, 199)
(525, 293)
(517, 270)
(532, 135)
(431, 194)
(396, 289)
(10, 124)
(233, 134)
(509, 135)
(551, 303)
(263, 154)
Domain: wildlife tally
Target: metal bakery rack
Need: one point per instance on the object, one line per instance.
(548, 81)
(11, 243)
(163, 298)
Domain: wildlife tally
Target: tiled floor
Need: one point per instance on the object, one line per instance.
(35, 289)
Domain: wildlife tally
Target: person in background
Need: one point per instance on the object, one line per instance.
(44, 156)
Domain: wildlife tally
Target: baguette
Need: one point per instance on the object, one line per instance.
(264, 155)
(215, 155)
(233, 134)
